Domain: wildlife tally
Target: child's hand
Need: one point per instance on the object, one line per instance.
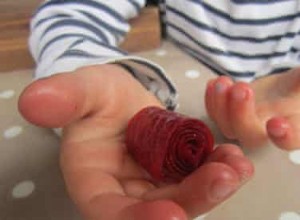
(269, 108)
(94, 104)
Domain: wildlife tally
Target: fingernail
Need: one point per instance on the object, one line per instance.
(278, 132)
(239, 94)
(221, 190)
(220, 87)
(277, 127)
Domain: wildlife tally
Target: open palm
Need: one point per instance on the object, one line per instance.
(93, 105)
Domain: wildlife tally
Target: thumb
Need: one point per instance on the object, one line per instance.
(60, 99)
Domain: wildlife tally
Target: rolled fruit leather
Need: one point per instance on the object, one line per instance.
(168, 145)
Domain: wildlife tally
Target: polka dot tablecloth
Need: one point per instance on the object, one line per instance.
(32, 188)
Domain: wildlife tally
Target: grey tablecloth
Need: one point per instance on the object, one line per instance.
(31, 186)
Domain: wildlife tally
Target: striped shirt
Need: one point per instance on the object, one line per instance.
(244, 39)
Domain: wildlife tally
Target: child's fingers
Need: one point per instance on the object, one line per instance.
(152, 210)
(203, 190)
(246, 125)
(233, 156)
(224, 150)
(236, 160)
(285, 131)
(113, 206)
(220, 104)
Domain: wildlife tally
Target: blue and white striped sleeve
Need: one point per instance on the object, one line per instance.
(68, 34)
(244, 39)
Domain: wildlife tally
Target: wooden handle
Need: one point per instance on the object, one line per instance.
(14, 31)
(145, 33)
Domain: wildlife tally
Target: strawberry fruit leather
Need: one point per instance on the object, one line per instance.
(168, 145)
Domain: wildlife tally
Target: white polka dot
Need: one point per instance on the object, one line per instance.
(7, 94)
(23, 189)
(192, 74)
(289, 216)
(295, 156)
(161, 52)
(12, 132)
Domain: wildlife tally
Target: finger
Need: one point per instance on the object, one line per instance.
(246, 125)
(161, 209)
(57, 100)
(63, 98)
(117, 207)
(233, 156)
(285, 131)
(224, 150)
(220, 98)
(52, 102)
(209, 99)
(200, 192)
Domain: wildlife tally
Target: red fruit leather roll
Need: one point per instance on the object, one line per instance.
(168, 145)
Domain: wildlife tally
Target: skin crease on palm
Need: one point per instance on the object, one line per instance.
(93, 105)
